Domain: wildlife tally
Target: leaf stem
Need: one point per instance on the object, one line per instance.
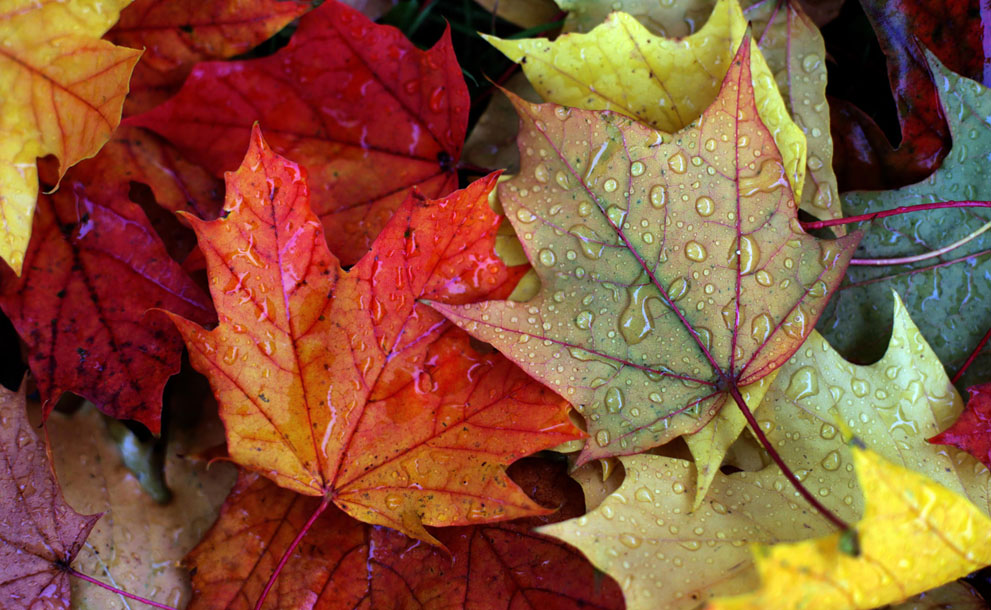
(776, 457)
(905, 209)
(292, 547)
(972, 356)
(98, 583)
(878, 262)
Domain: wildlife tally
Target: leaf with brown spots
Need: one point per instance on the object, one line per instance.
(673, 267)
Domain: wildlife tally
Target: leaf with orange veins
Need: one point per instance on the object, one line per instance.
(63, 90)
(340, 384)
(673, 267)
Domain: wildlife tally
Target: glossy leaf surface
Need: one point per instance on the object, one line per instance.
(176, 34)
(663, 553)
(39, 528)
(671, 267)
(946, 295)
(64, 88)
(972, 431)
(915, 535)
(365, 112)
(666, 84)
(93, 271)
(345, 564)
(341, 384)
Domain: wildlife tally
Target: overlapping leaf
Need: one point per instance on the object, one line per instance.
(63, 91)
(945, 294)
(368, 114)
(345, 564)
(176, 34)
(915, 535)
(40, 531)
(94, 269)
(672, 268)
(340, 384)
(664, 83)
(663, 553)
(972, 431)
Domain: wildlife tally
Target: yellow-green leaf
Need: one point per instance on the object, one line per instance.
(621, 66)
(63, 91)
(915, 535)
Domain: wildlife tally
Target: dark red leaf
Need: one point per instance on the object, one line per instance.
(972, 430)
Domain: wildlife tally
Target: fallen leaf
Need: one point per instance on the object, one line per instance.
(668, 88)
(93, 271)
(914, 535)
(663, 553)
(972, 431)
(138, 543)
(64, 89)
(340, 384)
(946, 294)
(176, 34)
(345, 564)
(492, 141)
(645, 329)
(396, 121)
(41, 533)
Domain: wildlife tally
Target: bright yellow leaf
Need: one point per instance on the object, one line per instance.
(621, 66)
(915, 535)
(63, 89)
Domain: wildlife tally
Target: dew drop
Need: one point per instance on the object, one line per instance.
(678, 163)
(803, 383)
(635, 321)
(860, 387)
(585, 209)
(811, 62)
(610, 185)
(658, 196)
(749, 254)
(589, 241)
(710, 145)
(705, 206)
(393, 501)
(832, 461)
(677, 289)
(546, 257)
(525, 215)
(643, 495)
(760, 328)
(541, 173)
(770, 177)
(796, 324)
(695, 251)
(614, 400)
(764, 278)
(637, 168)
(584, 320)
(602, 438)
(630, 541)
(562, 179)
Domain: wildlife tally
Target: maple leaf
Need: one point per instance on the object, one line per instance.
(794, 51)
(972, 431)
(346, 564)
(915, 535)
(672, 268)
(339, 384)
(92, 272)
(64, 89)
(944, 292)
(41, 533)
(609, 69)
(648, 537)
(179, 33)
(368, 115)
(139, 542)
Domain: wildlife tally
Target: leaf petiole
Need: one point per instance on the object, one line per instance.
(904, 260)
(98, 583)
(905, 209)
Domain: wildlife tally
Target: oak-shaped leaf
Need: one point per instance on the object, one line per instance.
(673, 268)
(368, 114)
(914, 535)
(972, 430)
(345, 564)
(64, 88)
(94, 268)
(176, 34)
(340, 384)
(666, 553)
(40, 531)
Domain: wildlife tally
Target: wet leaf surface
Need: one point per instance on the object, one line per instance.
(972, 430)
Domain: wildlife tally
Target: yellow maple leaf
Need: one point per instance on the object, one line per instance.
(63, 91)
(621, 66)
(915, 535)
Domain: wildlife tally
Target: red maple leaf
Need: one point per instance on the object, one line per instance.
(972, 430)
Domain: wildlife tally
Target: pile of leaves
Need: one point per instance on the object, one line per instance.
(298, 337)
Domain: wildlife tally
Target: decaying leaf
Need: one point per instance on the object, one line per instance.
(972, 430)
(666, 84)
(396, 121)
(40, 531)
(63, 91)
(662, 552)
(672, 268)
(914, 535)
(345, 564)
(340, 384)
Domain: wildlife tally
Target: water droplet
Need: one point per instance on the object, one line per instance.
(770, 177)
(616, 215)
(630, 541)
(705, 206)
(658, 196)
(695, 251)
(710, 145)
(811, 62)
(677, 163)
(760, 328)
(691, 545)
(860, 387)
(728, 312)
(637, 168)
(610, 185)
(828, 432)
(602, 438)
(819, 289)
(546, 257)
(589, 241)
(585, 209)
(643, 495)
(749, 254)
(541, 173)
(832, 461)
(584, 320)
(636, 320)
(230, 356)
(804, 383)
(393, 501)
(678, 487)
(764, 278)
(796, 324)
(677, 289)
(525, 215)
(562, 179)
(614, 400)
